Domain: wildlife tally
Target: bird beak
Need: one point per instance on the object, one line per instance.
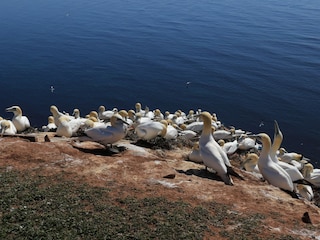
(10, 109)
(276, 128)
(123, 121)
(305, 160)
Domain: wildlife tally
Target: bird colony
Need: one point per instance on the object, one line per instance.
(212, 143)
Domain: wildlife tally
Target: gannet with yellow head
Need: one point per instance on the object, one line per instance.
(7, 127)
(270, 170)
(110, 134)
(211, 153)
(20, 122)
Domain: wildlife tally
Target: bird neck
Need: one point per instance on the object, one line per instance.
(163, 131)
(17, 113)
(207, 129)
(277, 140)
(265, 148)
(306, 173)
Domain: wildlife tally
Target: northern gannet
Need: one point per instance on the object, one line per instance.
(191, 117)
(245, 143)
(305, 191)
(311, 175)
(186, 134)
(76, 113)
(289, 156)
(211, 153)
(57, 114)
(20, 122)
(158, 115)
(138, 109)
(195, 126)
(63, 127)
(178, 119)
(105, 115)
(110, 134)
(125, 115)
(7, 127)
(228, 147)
(270, 170)
(194, 155)
(69, 126)
(51, 126)
(250, 163)
(221, 134)
(293, 172)
(150, 130)
(171, 131)
(148, 113)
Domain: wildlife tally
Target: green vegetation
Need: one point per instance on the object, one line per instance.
(40, 207)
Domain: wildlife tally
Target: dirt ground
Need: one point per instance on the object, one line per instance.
(165, 173)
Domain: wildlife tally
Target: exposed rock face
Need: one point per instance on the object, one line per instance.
(163, 173)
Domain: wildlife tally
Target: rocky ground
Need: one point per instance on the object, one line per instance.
(141, 172)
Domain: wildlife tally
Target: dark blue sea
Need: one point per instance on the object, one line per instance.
(249, 61)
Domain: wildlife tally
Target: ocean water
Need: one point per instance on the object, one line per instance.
(250, 62)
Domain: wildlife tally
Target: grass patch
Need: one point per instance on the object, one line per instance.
(39, 207)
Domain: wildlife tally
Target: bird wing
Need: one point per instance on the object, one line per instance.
(212, 158)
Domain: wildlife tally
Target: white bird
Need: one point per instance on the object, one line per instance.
(141, 119)
(148, 113)
(76, 113)
(50, 126)
(221, 134)
(198, 125)
(7, 127)
(195, 156)
(77, 118)
(305, 191)
(63, 127)
(105, 115)
(195, 126)
(150, 130)
(138, 109)
(125, 115)
(110, 134)
(270, 170)
(132, 115)
(178, 119)
(186, 134)
(245, 143)
(158, 115)
(289, 156)
(250, 163)
(168, 115)
(57, 114)
(94, 115)
(191, 117)
(171, 131)
(211, 153)
(228, 147)
(293, 172)
(20, 122)
(311, 175)
(238, 132)
(94, 123)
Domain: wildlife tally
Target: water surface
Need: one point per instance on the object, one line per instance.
(247, 61)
